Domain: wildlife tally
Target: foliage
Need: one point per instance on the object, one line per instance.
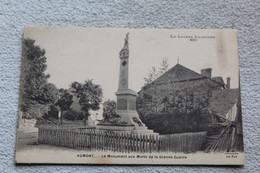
(68, 114)
(36, 93)
(109, 110)
(73, 115)
(52, 113)
(154, 73)
(64, 99)
(36, 111)
(181, 110)
(169, 123)
(164, 66)
(89, 94)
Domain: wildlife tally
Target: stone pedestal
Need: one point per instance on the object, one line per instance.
(115, 128)
(126, 109)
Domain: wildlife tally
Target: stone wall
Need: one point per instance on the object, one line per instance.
(27, 124)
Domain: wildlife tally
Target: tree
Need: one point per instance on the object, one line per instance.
(64, 101)
(90, 96)
(164, 66)
(109, 110)
(36, 93)
(154, 73)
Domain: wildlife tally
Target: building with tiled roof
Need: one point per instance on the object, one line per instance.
(182, 81)
(182, 100)
(179, 74)
(224, 103)
(186, 89)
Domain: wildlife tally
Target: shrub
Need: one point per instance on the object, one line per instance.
(179, 122)
(52, 113)
(73, 115)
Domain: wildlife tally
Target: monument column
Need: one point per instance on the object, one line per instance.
(126, 98)
(123, 73)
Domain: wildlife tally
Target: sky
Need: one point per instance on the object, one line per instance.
(79, 54)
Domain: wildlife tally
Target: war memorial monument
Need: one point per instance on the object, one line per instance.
(126, 101)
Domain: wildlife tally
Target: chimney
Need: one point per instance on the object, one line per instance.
(228, 82)
(206, 72)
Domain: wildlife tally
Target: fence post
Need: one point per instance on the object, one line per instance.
(39, 135)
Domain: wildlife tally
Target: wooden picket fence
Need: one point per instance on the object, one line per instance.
(182, 142)
(93, 140)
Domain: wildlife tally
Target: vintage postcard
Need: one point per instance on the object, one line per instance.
(129, 96)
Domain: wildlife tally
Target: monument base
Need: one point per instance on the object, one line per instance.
(115, 128)
(129, 129)
(148, 131)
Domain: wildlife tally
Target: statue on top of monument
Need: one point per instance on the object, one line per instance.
(124, 53)
(126, 41)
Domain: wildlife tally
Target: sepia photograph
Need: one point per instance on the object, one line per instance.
(129, 96)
